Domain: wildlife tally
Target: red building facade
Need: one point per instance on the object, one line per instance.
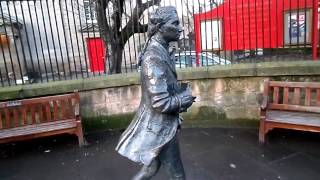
(252, 24)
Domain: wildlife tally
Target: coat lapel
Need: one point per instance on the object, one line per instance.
(168, 60)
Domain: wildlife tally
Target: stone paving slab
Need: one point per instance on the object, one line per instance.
(208, 154)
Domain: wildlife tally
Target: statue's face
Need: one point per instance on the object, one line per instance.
(171, 30)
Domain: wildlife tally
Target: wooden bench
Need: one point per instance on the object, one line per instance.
(290, 105)
(40, 117)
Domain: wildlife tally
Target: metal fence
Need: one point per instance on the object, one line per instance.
(42, 40)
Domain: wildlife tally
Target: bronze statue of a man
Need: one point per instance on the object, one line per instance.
(151, 138)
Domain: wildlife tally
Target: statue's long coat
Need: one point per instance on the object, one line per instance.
(157, 118)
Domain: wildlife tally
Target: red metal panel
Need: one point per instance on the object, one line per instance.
(250, 24)
(96, 54)
(315, 31)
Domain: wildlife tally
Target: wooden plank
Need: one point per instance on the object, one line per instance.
(7, 116)
(318, 97)
(24, 115)
(296, 96)
(273, 124)
(1, 123)
(295, 84)
(302, 118)
(307, 100)
(37, 135)
(41, 113)
(276, 95)
(295, 107)
(285, 95)
(39, 99)
(48, 112)
(38, 128)
(16, 117)
(63, 109)
(33, 115)
(70, 108)
(55, 110)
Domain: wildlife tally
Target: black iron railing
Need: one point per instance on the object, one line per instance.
(42, 40)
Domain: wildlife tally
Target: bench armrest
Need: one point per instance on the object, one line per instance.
(264, 103)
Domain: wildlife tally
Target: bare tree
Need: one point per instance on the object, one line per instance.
(113, 32)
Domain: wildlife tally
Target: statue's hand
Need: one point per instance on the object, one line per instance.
(186, 102)
(185, 95)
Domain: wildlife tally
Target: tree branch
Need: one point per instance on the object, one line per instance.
(140, 28)
(110, 29)
(118, 9)
(104, 27)
(133, 25)
(139, 2)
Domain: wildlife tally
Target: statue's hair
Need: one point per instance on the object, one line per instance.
(159, 17)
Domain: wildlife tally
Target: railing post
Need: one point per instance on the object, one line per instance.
(315, 34)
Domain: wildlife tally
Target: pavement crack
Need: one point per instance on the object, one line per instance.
(285, 158)
(205, 133)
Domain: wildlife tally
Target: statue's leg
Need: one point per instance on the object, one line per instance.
(171, 160)
(147, 172)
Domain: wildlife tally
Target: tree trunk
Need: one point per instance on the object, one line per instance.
(116, 58)
(113, 38)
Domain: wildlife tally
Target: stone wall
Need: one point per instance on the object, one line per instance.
(227, 96)
(111, 101)
(235, 97)
(228, 102)
(219, 102)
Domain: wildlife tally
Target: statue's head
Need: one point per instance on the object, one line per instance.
(165, 22)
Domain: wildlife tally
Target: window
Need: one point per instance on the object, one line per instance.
(211, 31)
(297, 27)
(90, 11)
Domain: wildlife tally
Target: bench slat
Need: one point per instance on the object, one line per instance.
(41, 111)
(300, 118)
(55, 111)
(16, 117)
(39, 128)
(318, 97)
(313, 85)
(70, 109)
(1, 123)
(48, 112)
(39, 100)
(307, 101)
(285, 95)
(276, 95)
(33, 115)
(63, 109)
(295, 107)
(24, 115)
(296, 96)
(7, 116)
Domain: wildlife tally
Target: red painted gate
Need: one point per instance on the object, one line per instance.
(96, 54)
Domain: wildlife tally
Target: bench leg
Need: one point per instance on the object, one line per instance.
(262, 132)
(80, 134)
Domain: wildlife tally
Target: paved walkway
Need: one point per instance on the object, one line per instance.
(208, 154)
